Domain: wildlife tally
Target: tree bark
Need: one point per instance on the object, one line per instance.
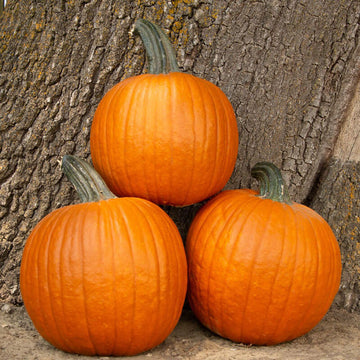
(337, 198)
(290, 69)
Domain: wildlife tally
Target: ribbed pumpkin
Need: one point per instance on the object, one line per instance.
(107, 276)
(166, 136)
(262, 269)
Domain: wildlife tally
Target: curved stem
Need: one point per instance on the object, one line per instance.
(88, 184)
(272, 185)
(159, 51)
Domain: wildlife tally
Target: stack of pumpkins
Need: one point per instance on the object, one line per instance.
(109, 276)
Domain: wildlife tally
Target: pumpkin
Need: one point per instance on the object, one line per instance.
(166, 136)
(107, 276)
(262, 269)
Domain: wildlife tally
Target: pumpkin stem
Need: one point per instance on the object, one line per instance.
(88, 184)
(272, 185)
(159, 51)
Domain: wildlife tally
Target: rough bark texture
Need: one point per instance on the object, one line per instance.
(290, 69)
(337, 197)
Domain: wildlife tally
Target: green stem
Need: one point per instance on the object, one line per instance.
(159, 51)
(87, 182)
(272, 185)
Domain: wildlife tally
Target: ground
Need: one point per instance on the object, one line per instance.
(337, 336)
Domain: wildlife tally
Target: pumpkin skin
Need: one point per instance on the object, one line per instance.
(169, 137)
(106, 277)
(260, 271)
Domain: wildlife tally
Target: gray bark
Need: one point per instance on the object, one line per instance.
(337, 198)
(290, 69)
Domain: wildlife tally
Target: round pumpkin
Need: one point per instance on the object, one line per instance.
(166, 136)
(262, 269)
(107, 276)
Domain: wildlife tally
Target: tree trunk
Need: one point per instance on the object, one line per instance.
(290, 69)
(337, 198)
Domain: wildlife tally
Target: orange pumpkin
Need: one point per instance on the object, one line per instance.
(262, 269)
(166, 136)
(107, 276)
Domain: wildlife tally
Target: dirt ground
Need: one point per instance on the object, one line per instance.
(336, 337)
